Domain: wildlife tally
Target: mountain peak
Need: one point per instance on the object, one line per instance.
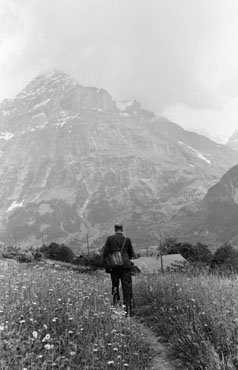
(50, 81)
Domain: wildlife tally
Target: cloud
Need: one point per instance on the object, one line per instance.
(162, 52)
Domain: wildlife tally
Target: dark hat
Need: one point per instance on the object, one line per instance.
(118, 227)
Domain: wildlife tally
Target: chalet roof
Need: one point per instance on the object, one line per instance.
(153, 264)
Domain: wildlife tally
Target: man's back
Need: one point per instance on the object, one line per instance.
(114, 243)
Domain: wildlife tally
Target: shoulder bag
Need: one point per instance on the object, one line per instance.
(115, 259)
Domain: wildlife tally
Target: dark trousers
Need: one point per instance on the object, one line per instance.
(126, 283)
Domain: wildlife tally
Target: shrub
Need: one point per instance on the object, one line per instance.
(58, 252)
(95, 259)
(225, 259)
(198, 253)
(25, 257)
(37, 255)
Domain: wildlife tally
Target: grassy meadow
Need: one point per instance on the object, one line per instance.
(52, 319)
(61, 319)
(197, 315)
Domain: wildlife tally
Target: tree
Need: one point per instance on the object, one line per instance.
(201, 253)
(58, 252)
(192, 253)
(225, 258)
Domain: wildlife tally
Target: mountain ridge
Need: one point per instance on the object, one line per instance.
(73, 163)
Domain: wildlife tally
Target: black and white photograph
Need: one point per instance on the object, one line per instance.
(118, 185)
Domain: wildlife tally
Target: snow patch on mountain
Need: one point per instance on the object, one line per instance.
(6, 135)
(42, 104)
(15, 205)
(43, 125)
(39, 115)
(63, 119)
(199, 155)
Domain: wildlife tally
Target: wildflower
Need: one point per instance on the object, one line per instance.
(45, 326)
(35, 334)
(22, 321)
(1, 327)
(47, 337)
(110, 362)
(49, 346)
(70, 332)
(126, 365)
(72, 353)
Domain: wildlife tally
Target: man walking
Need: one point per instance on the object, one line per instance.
(115, 243)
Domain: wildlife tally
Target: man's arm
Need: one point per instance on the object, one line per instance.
(131, 252)
(106, 249)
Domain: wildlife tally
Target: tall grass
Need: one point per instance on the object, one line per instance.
(53, 319)
(197, 315)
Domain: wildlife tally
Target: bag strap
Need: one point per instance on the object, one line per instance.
(123, 244)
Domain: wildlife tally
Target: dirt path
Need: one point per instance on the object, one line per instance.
(162, 359)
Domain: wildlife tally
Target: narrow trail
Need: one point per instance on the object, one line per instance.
(162, 359)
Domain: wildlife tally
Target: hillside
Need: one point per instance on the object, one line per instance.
(214, 219)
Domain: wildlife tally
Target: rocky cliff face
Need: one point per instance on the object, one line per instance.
(73, 162)
(214, 219)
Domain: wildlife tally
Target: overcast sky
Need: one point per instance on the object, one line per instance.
(178, 57)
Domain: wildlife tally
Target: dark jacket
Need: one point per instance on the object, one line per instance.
(114, 243)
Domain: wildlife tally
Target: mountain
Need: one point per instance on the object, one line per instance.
(214, 220)
(214, 136)
(74, 161)
(233, 141)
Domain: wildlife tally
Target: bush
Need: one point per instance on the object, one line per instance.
(25, 257)
(198, 253)
(58, 252)
(37, 256)
(225, 259)
(95, 259)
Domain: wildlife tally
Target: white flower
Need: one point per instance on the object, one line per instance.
(35, 334)
(49, 346)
